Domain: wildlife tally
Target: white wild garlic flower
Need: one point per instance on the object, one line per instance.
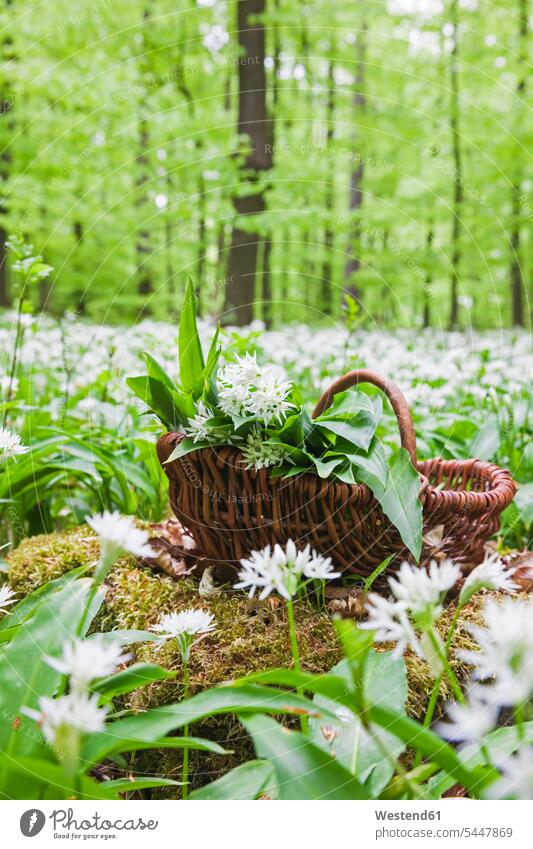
(85, 660)
(10, 444)
(283, 571)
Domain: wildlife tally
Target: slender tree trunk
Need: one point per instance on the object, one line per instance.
(77, 230)
(4, 294)
(515, 272)
(254, 122)
(426, 317)
(202, 235)
(5, 159)
(266, 276)
(329, 199)
(169, 240)
(222, 259)
(268, 306)
(142, 247)
(353, 262)
(457, 170)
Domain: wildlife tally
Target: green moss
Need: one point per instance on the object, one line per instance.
(42, 558)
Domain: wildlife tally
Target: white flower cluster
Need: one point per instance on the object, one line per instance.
(198, 428)
(76, 711)
(283, 571)
(505, 655)
(492, 574)
(247, 389)
(82, 662)
(516, 781)
(184, 627)
(416, 603)
(7, 597)
(417, 596)
(85, 660)
(10, 444)
(502, 677)
(118, 534)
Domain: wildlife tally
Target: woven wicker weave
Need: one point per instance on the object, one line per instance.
(230, 510)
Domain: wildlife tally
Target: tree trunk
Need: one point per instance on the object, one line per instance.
(77, 229)
(266, 278)
(353, 262)
(426, 317)
(142, 247)
(202, 237)
(329, 200)
(4, 293)
(5, 107)
(457, 170)
(252, 121)
(515, 272)
(268, 311)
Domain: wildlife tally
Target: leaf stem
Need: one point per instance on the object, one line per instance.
(185, 767)
(448, 671)
(295, 652)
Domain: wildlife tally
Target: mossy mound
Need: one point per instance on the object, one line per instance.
(250, 636)
(45, 557)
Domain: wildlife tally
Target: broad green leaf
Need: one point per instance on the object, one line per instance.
(357, 430)
(126, 637)
(129, 679)
(24, 673)
(209, 375)
(373, 463)
(172, 407)
(303, 771)
(129, 785)
(331, 686)
(247, 781)
(400, 500)
(125, 744)
(357, 646)
(156, 723)
(294, 428)
(29, 775)
(191, 358)
(430, 746)
(296, 455)
(156, 371)
(325, 468)
(384, 682)
(27, 606)
(187, 446)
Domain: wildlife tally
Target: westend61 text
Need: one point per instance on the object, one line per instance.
(407, 815)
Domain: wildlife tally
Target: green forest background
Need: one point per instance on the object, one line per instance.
(284, 153)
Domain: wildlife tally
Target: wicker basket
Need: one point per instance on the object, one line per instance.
(230, 510)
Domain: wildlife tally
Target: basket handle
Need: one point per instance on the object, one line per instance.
(395, 396)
